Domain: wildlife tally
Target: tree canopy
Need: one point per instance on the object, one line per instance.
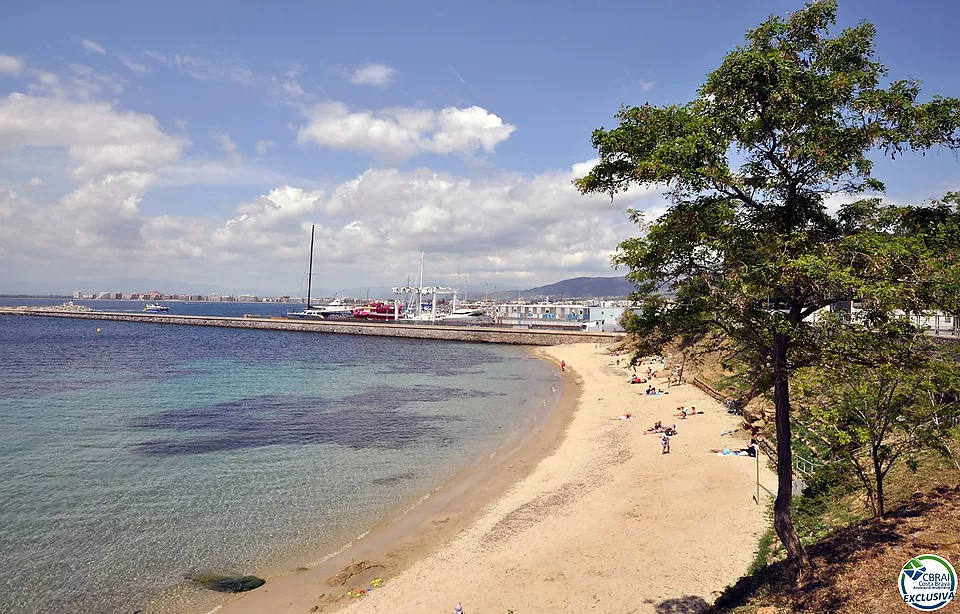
(748, 245)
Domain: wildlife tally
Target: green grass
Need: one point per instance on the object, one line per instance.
(762, 558)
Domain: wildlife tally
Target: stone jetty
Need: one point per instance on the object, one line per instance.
(515, 336)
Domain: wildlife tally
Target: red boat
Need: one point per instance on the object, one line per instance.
(376, 311)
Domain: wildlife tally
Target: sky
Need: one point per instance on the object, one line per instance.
(200, 141)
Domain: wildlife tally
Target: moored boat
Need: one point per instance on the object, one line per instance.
(156, 307)
(377, 310)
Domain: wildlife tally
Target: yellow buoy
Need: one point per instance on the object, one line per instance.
(98, 331)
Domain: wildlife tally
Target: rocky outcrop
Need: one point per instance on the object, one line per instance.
(237, 585)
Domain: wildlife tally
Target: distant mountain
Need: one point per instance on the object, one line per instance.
(578, 287)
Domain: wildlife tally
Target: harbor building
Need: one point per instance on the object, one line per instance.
(569, 316)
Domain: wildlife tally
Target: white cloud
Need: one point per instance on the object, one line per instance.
(399, 132)
(97, 136)
(203, 68)
(132, 65)
(34, 182)
(507, 226)
(264, 146)
(225, 142)
(377, 75)
(10, 64)
(81, 81)
(645, 86)
(156, 55)
(519, 229)
(93, 47)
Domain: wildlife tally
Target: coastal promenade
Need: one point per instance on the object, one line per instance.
(514, 336)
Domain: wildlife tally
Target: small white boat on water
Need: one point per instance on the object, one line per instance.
(156, 307)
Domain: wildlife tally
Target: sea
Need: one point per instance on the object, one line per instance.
(138, 458)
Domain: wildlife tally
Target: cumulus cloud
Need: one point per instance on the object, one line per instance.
(263, 146)
(34, 182)
(402, 132)
(511, 227)
(645, 86)
(10, 64)
(377, 75)
(93, 47)
(508, 226)
(98, 137)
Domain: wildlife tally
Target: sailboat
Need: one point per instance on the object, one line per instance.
(309, 311)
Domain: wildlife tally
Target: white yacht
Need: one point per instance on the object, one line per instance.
(156, 307)
(335, 309)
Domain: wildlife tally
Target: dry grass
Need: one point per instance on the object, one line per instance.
(855, 569)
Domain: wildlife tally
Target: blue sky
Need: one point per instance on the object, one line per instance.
(396, 127)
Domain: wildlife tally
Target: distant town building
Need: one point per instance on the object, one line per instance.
(214, 297)
(563, 315)
(77, 294)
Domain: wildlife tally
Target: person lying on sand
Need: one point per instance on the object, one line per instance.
(625, 416)
(750, 450)
(637, 380)
(656, 428)
(670, 430)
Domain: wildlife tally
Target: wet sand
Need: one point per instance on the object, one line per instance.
(419, 531)
(586, 515)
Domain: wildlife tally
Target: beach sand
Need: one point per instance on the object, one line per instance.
(604, 521)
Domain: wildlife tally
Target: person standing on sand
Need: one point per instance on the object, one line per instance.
(563, 365)
(665, 441)
(458, 609)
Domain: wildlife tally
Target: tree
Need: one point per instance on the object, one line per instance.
(882, 392)
(747, 244)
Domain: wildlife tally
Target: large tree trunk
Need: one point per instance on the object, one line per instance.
(783, 505)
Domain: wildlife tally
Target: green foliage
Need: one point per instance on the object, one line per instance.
(748, 247)
(882, 392)
(822, 508)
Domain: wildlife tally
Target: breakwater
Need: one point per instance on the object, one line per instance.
(514, 336)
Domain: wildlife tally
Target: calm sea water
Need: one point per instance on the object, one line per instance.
(147, 453)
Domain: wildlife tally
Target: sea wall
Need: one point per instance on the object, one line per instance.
(515, 336)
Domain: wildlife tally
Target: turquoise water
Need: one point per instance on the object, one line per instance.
(150, 453)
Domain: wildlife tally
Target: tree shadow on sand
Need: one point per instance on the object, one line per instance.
(688, 604)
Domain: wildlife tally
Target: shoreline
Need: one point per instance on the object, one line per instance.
(599, 519)
(411, 534)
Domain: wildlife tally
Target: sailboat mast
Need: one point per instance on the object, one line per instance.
(310, 272)
(420, 287)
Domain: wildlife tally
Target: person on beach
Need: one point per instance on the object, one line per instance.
(656, 428)
(563, 365)
(670, 431)
(750, 450)
(458, 609)
(665, 442)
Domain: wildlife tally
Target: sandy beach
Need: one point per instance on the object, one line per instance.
(589, 515)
